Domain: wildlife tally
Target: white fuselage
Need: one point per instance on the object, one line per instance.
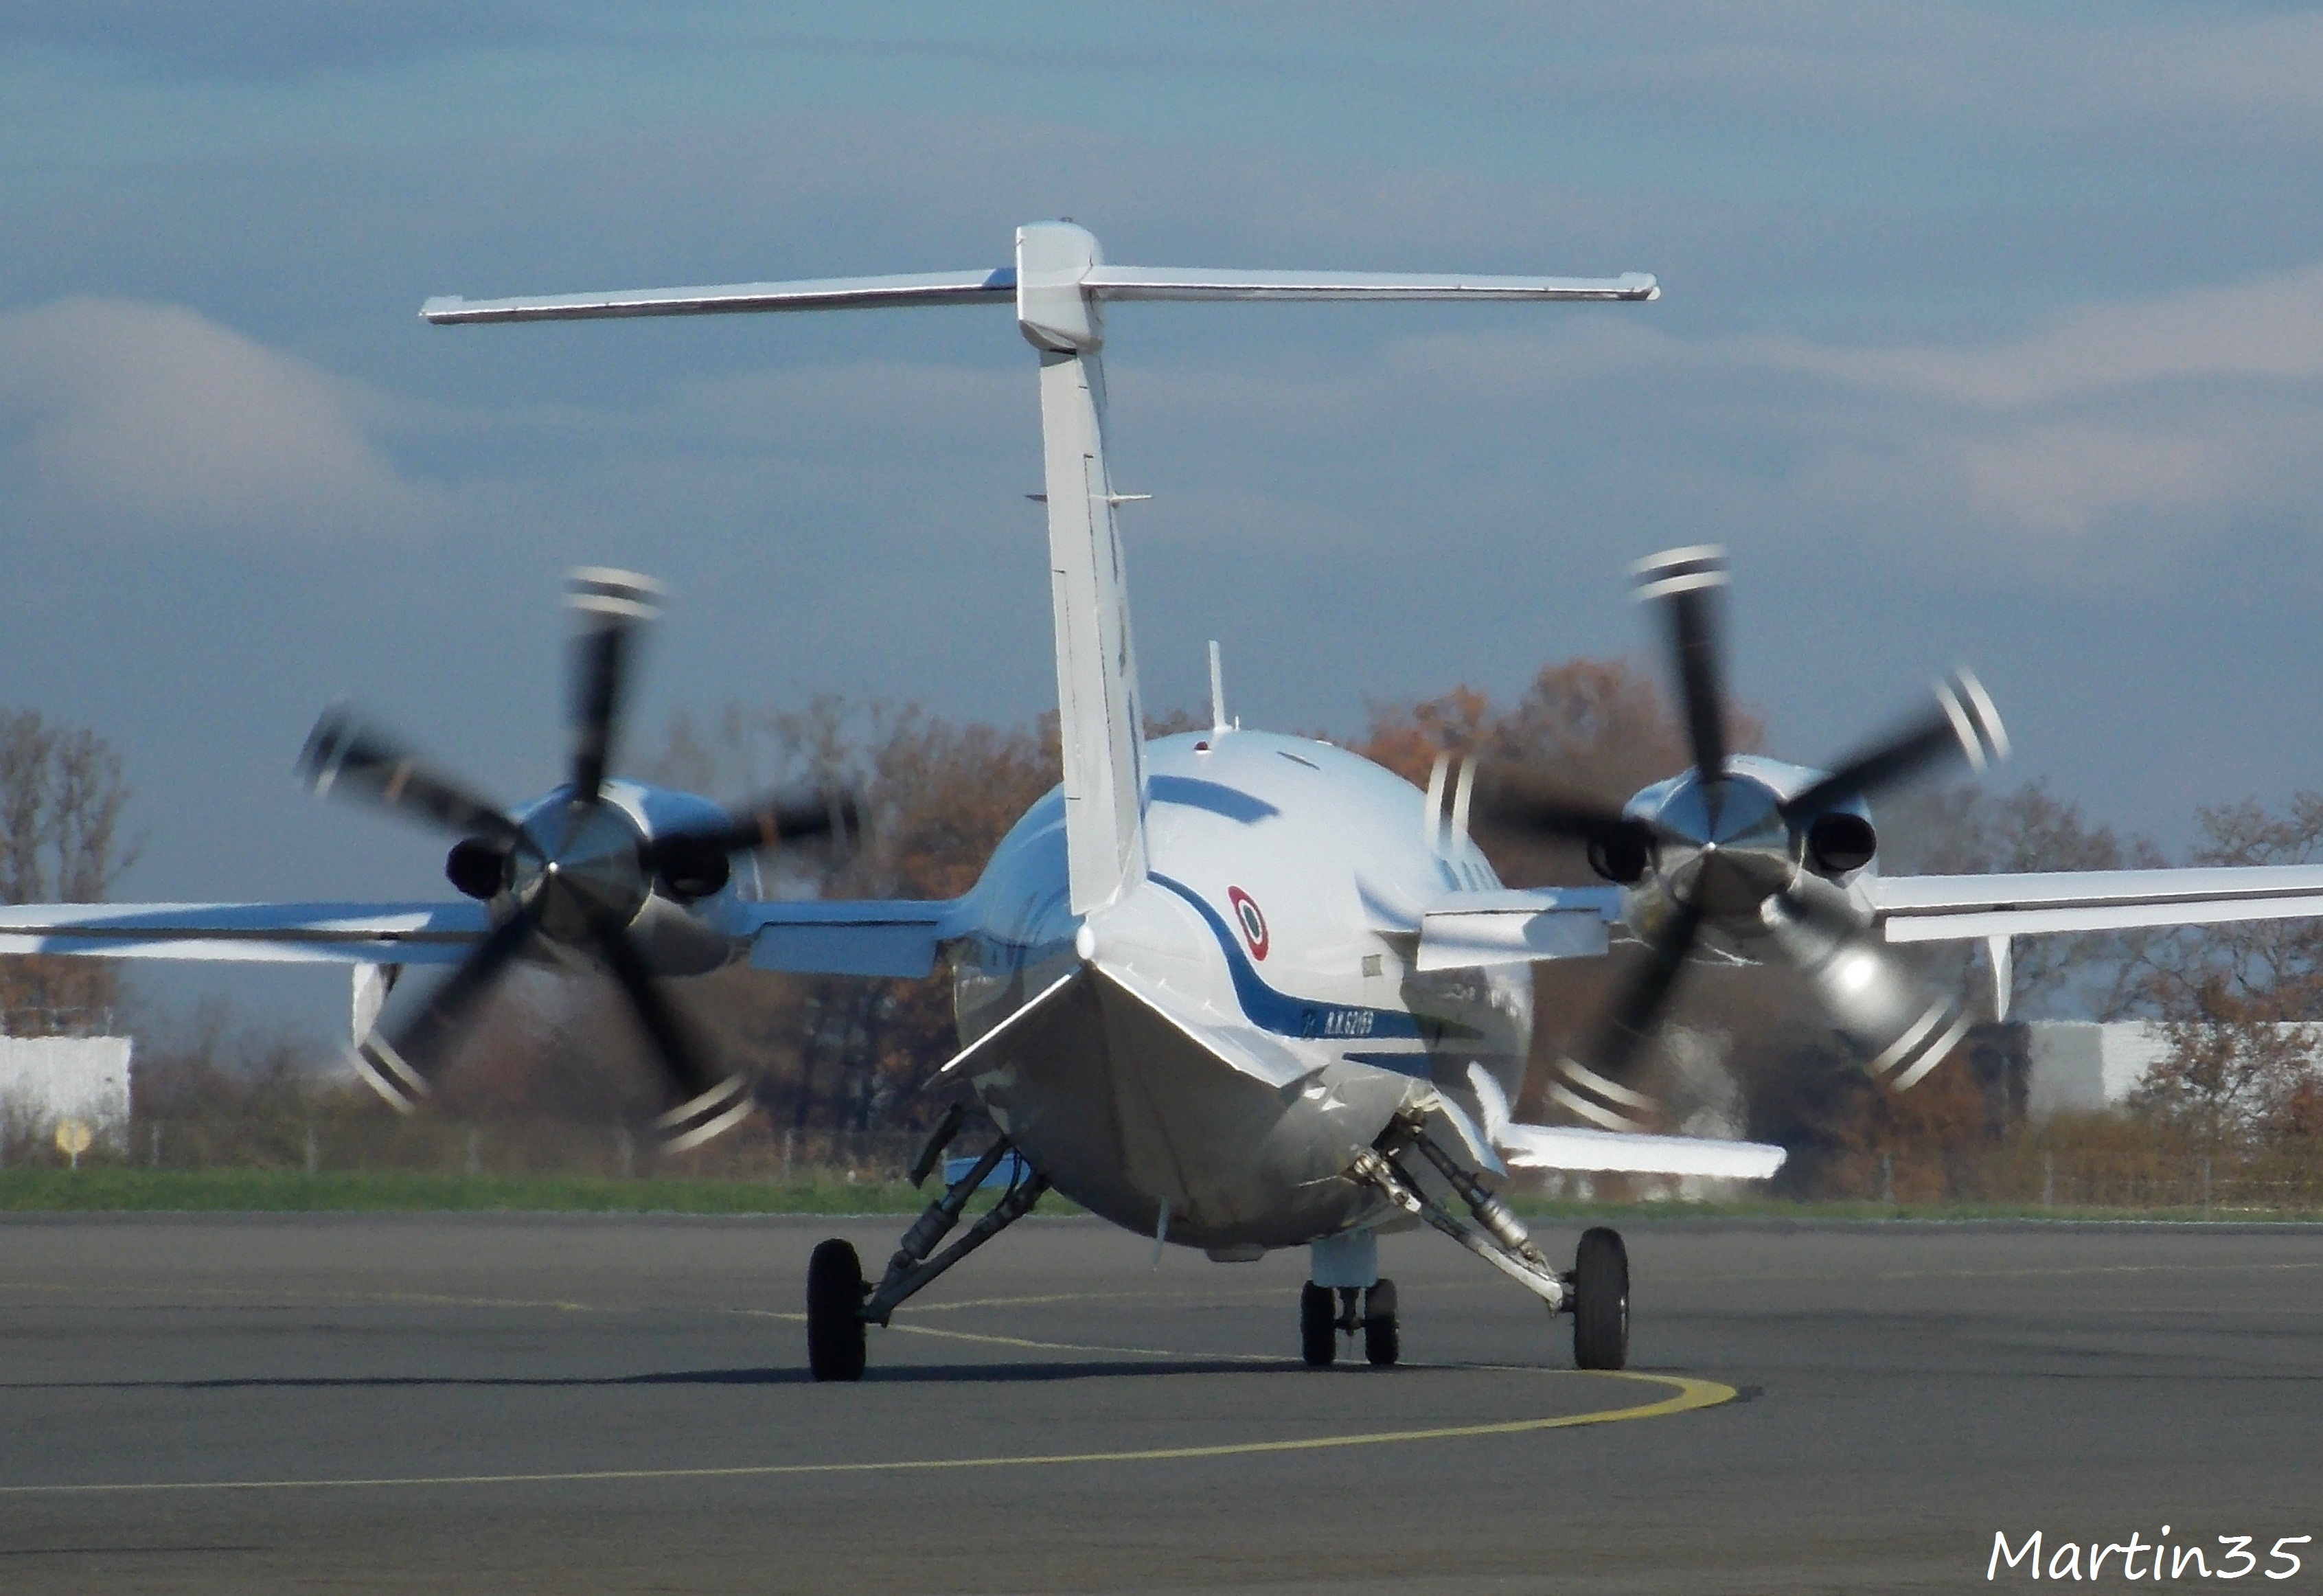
(1282, 902)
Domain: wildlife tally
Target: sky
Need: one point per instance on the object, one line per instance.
(1990, 333)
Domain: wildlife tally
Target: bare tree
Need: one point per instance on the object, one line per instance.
(846, 1054)
(61, 798)
(2236, 1002)
(1961, 828)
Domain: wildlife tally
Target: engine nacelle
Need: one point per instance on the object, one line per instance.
(689, 870)
(477, 867)
(1623, 856)
(1839, 843)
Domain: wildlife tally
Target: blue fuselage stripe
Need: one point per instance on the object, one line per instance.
(1285, 1015)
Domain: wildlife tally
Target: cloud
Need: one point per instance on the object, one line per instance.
(1840, 62)
(2199, 403)
(2152, 433)
(2270, 329)
(134, 417)
(270, 38)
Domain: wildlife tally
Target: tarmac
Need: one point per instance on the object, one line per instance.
(573, 1404)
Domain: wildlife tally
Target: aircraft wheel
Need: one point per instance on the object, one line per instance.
(834, 1329)
(1318, 1326)
(1601, 1301)
(1382, 1339)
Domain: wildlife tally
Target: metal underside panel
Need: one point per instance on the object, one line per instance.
(1123, 1111)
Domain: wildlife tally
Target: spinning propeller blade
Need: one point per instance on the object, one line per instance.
(401, 1066)
(702, 1103)
(1685, 583)
(790, 816)
(1599, 1094)
(1521, 803)
(1897, 1027)
(345, 758)
(611, 606)
(1752, 879)
(578, 878)
(1964, 723)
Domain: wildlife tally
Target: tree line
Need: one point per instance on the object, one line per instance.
(1745, 1051)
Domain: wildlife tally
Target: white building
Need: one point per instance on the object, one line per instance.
(44, 1080)
(2079, 1064)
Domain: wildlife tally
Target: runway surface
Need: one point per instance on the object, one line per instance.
(603, 1403)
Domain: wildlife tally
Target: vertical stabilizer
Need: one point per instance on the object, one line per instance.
(1059, 285)
(1097, 707)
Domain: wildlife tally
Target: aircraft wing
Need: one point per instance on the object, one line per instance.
(353, 933)
(1581, 1152)
(1945, 908)
(870, 938)
(1464, 930)
(835, 937)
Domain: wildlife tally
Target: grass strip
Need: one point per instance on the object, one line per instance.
(294, 1191)
(1546, 1210)
(114, 1190)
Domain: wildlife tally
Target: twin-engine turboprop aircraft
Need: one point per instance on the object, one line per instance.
(1231, 989)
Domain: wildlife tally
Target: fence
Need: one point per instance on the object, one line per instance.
(342, 1140)
(2098, 1164)
(2282, 1178)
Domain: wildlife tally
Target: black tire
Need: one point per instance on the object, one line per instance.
(1318, 1326)
(835, 1326)
(1601, 1301)
(1382, 1337)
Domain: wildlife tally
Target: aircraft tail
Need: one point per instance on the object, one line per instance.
(1100, 716)
(1059, 287)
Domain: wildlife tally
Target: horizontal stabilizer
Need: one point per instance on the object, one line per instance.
(996, 287)
(1580, 1152)
(1189, 282)
(265, 933)
(1946, 908)
(871, 937)
(1467, 929)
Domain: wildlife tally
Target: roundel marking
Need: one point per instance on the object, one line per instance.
(1254, 923)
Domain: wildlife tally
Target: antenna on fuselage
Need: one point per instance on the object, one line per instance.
(1219, 726)
(1058, 286)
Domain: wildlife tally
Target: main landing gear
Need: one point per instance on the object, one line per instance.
(839, 1303)
(1596, 1292)
(1326, 1312)
(1601, 1300)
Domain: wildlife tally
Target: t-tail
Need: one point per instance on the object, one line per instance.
(1059, 286)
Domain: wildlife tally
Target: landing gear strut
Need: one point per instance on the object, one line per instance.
(1325, 1313)
(1596, 1293)
(839, 1304)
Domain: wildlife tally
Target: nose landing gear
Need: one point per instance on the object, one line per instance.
(1325, 1313)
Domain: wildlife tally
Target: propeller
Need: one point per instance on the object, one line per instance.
(571, 874)
(1722, 849)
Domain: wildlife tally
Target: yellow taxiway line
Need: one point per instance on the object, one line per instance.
(1685, 1394)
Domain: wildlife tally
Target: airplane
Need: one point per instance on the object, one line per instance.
(1235, 990)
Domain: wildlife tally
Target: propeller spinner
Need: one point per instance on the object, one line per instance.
(1754, 853)
(572, 872)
